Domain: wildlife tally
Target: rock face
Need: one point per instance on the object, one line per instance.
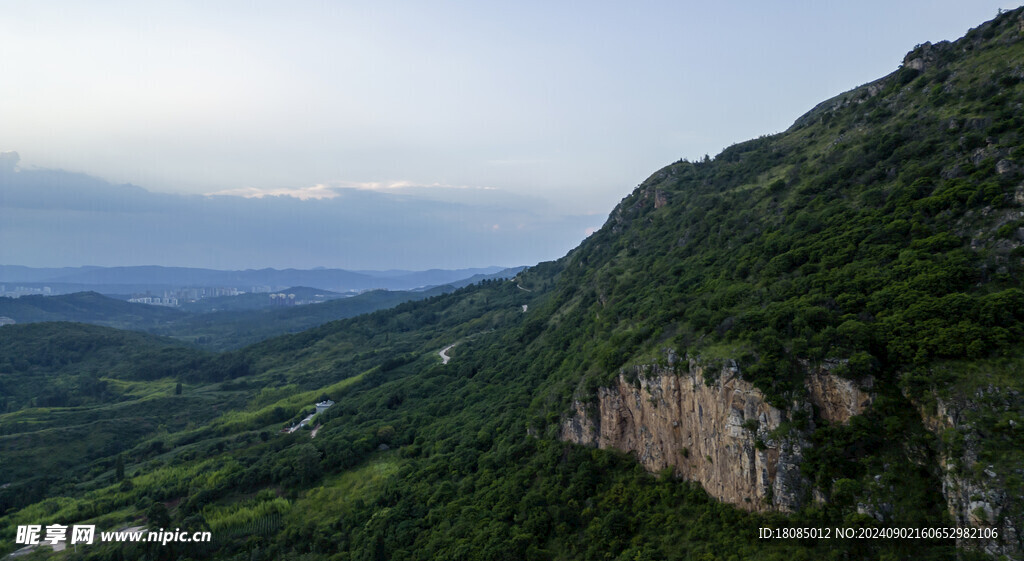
(975, 495)
(926, 55)
(837, 399)
(720, 434)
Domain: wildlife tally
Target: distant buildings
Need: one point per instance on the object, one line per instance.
(168, 301)
(323, 405)
(193, 294)
(320, 408)
(174, 298)
(282, 299)
(20, 291)
(4, 320)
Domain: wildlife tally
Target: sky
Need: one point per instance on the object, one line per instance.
(374, 135)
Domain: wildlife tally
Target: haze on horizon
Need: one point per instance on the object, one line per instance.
(394, 135)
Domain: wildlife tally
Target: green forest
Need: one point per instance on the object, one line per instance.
(882, 232)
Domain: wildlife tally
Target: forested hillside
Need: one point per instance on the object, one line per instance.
(879, 238)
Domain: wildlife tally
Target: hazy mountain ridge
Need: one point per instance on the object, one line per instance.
(229, 322)
(208, 328)
(87, 307)
(339, 280)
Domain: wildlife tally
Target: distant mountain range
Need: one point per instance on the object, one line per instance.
(236, 322)
(223, 322)
(88, 307)
(122, 280)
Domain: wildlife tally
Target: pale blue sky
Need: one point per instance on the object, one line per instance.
(558, 107)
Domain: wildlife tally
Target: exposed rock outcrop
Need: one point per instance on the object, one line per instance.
(926, 55)
(723, 435)
(975, 494)
(837, 399)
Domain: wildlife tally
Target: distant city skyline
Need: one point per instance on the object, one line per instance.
(394, 135)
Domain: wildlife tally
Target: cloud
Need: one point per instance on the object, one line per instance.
(9, 160)
(405, 186)
(377, 185)
(516, 162)
(323, 191)
(591, 230)
(316, 192)
(62, 218)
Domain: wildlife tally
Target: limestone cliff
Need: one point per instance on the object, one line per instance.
(723, 435)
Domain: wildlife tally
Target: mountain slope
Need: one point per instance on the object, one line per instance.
(875, 243)
(72, 394)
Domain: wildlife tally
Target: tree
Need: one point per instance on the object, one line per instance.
(307, 463)
(158, 516)
(119, 467)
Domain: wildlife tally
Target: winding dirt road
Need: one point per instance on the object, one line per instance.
(444, 354)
